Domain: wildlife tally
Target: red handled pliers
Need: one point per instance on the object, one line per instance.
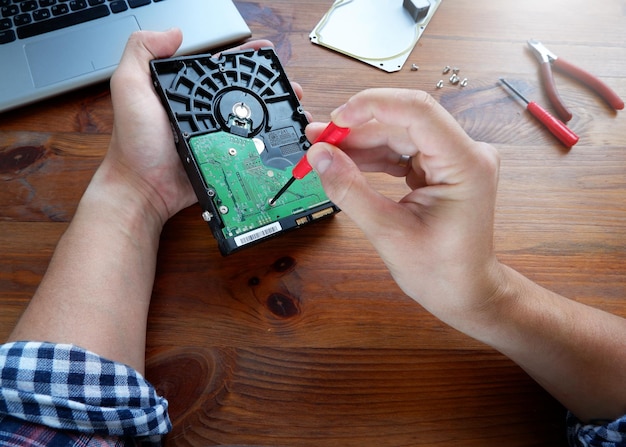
(547, 60)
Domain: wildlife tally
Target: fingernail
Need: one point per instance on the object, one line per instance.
(320, 159)
(337, 111)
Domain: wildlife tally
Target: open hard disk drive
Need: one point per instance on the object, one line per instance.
(239, 130)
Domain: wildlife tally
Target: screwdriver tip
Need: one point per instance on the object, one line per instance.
(504, 81)
(514, 90)
(282, 190)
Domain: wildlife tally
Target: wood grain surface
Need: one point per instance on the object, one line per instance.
(305, 340)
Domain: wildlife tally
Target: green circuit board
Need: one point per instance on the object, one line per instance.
(232, 167)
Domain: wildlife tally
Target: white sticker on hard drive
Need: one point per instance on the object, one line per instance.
(257, 234)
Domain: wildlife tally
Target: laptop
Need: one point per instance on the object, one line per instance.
(48, 47)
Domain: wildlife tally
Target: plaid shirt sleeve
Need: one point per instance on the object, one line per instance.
(66, 388)
(608, 434)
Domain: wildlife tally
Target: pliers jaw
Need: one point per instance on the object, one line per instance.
(546, 58)
(541, 52)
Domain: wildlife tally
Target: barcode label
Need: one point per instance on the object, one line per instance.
(257, 234)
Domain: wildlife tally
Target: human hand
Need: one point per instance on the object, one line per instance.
(142, 153)
(437, 240)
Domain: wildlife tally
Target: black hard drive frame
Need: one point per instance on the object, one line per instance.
(239, 96)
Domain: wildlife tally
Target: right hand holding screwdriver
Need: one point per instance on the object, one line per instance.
(437, 240)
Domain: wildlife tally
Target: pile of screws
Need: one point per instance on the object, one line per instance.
(454, 79)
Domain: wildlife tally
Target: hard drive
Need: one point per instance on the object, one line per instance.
(239, 130)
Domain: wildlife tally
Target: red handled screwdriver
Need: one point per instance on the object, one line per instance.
(563, 133)
(333, 134)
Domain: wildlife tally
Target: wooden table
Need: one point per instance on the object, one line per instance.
(305, 340)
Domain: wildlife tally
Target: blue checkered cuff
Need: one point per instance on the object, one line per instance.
(68, 388)
(608, 434)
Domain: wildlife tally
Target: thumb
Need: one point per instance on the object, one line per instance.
(141, 48)
(347, 188)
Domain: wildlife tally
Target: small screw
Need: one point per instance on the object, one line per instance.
(454, 79)
(206, 216)
(464, 82)
(446, 69)
(414, 67)
(440, 83)
(456, 70)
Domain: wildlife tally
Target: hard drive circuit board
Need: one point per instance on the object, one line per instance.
(243, 185)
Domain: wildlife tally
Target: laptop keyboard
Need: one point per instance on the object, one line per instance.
(20, 19)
